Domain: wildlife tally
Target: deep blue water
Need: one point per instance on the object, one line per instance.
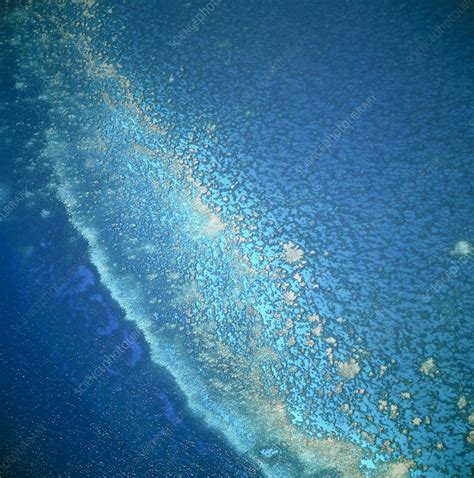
(266, 218)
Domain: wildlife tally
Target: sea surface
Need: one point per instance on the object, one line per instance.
(237, 238)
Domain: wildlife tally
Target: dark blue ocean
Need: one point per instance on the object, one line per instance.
(237, 238)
